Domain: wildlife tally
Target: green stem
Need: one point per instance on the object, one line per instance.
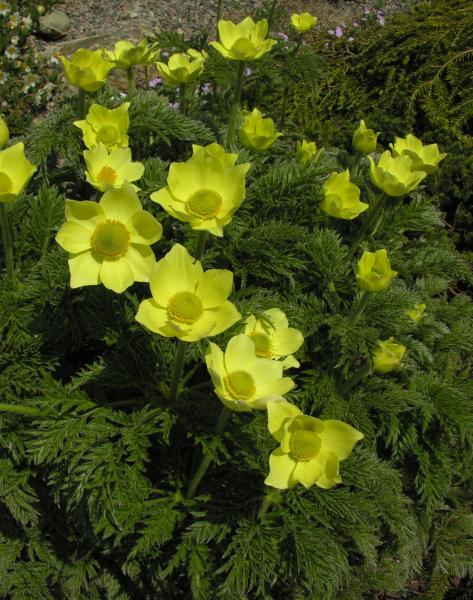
(206, 460)
(360, 307)
(271, 14)
(200, 245)
(146, 78)
(219, 14)
(131, 80)
(182, 98)
(298, 44)
(235, 109)
(282, 118)
(355, 378)
(7, 243)
(22, 410)
(176, 374)
(81, 100)
(371, 218)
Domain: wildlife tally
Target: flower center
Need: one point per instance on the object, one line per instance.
(204, 204)
(6, 183)
(107, 175)
(240, 385)
(107, 134)
(304, 444)
(262, 344)
(185, 307)
(110, 239)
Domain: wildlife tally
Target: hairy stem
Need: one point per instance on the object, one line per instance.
(235, 108)
(271, 14)
(372, 217)
(22, 410)
(206, 460)
(176, 374)
(81, 103)
(360, 307)
(131, 80)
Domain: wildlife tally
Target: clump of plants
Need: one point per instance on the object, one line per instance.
(233, 364)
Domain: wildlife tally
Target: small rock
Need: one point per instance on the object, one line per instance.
(54, 25)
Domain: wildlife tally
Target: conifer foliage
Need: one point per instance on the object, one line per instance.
(95, 459)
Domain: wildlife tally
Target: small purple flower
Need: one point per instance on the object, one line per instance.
(338, 31)
(282, 35)
(174, 105)
(156, 81)
(366, 10)
(206, 88)
(164, 54)
(381, 19)
(331, 31)
(248, 72)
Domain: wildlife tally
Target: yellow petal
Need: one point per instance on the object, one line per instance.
(281, 468)
(330, 475)
(116, 275)
(144, 228)
(214, 287)
(339, 438)
(73, 238)
(279, 411)
(85, 213)
(120, 204)
(286, 341)
(151, 315)
(141, 260)
(239, 353)
(309, 472)
(84, 269)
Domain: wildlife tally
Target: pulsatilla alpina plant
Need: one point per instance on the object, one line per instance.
(226, 371)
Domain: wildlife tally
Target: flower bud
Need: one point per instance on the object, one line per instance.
(395, 176)
(305, 151)
(4, 133)
(416, 313)
(258, 133)
(374, 271)
(387, 357)
(303, 22)
(341, 197)
(424, 158)
(364, 139)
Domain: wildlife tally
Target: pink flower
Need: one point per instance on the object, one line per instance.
(338, 31)
(156, 81)
(381, 19)
(282, 35)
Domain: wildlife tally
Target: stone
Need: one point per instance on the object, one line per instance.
(54, 25)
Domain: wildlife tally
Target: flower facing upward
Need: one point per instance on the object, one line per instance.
(374, 272)
(126, 54)
(416, 313)
(305, 151)
(424, 158)
(109, 241)
(310, 450)
(303, 22)
(87, 69)
(394, 175)
(388, 355)
(206, 190)
(242, 380)
(106, 126)
(364, 140)
(244, 41)
(15, 172)
(273, 338)
(182, 67)
(258, 133)
(188, 302)
(341, 197)
(4, 133)
(109, 171)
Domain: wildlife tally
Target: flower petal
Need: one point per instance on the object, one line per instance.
(240, 351)
(339, 438)
(214, 287)
(309, 472)
(120, 204)
(144, 228)
(73, 237)
(84, 269)
(286, 341)
(176, 272)
(281, 468)
(116, 275)
(141, 260)
(151, 315)
(84, 212)
(279, 411)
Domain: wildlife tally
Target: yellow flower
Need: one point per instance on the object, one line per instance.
(15, 172)
(387, 357)
(206, 190)
(364, 139)
(106, 126)
(244, 41)
(416, 313)
(242, 380)
(273, 338)
(394, 175)
(341, 197)
(109, 241)
(4, 133)
(87, 69)
(258, 133)
(188, 302)
(183, 67)
(126, 54)
(305, 151)
(374, 271)
(310, 450)
(109, 171)
(424, 158)
(303, 22)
